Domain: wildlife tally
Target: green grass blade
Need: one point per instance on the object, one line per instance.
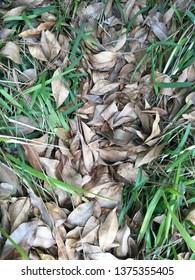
(149, 213)
(188, 239)
(16, 246)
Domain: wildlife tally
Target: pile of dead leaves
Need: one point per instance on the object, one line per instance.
(117, 130)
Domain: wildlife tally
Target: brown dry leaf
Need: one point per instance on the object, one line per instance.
(62, 250)
(168, 15)
(7, 175)
(12, 51)
(191, 73)
(25, 125)
(159, 30)
(49, 45)
(103, 61)
(122, 238)
(103, 86)
(5, 32)
(56, 213)
(108, 231)
(14, 12)
(190, 98)
(37, 31)
(28, 75)
(59, 89)
(151, 155)
(40, 144)
(155, 128)
(87, 155)
(113, 155)
(24, 236)
(49, 165)
(32, 156)
(191, 216)
(71, 176)
(6, 190)
(80, 214)
(113, 195)
(129, 172)
(19, 212)
(36, 51)
(127, 10)
(44, 237)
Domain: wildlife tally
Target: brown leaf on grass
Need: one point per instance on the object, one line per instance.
(87, 155)
(59, 89)
(155, 128)
(62, 250)
(103, 86)
(36, 31)
(24, 125)
(71, 176)
(6, 190)
(129, 172)
(7, 175)
(108, 231)
(191, 73)
(40, 144)
(12, 51)
(122, 238)
(56, 213)
(32, 156)
(191, 216)
(14, 12)
(80, 214)
(24, 236)
(19, 212)
(49, 45)
(103, 61)
(148, 157)
(49, 165)
(44, 237)
(5, 32)
(36, 51)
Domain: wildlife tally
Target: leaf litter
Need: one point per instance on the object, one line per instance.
(116, 131)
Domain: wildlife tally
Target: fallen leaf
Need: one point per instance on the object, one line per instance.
(108, 231)
(155, 128)
(59, 89)
(81, 214)
(6, 190)
(122, 238)
(37, 31)
(19, 212)
(7, 175)
(12, 51)
(129, 172)
(103, 61)
(14, 12)
(49, 45)
(32, 156)
(151, 155)
(44, 237)
(103, 86)
(191, 216)
(36, 51)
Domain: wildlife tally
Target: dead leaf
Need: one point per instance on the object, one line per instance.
(7, 175)
(108, 231)
(103, 86)
(81, 214)
(191, 216)
(37, 31)
(32, 156)
(59, 89)
(6, 190)
(23, 235)
(14, 12)
(36, 51)
(155, 128)
(44, 237)
(49, 45)
(24, 125)
(103, 61)
(12, 51)
(62, 250)
(122, 238)
(19, 212)
(129, 172)
(151, 155)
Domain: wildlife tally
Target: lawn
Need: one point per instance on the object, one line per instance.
(97, 110)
